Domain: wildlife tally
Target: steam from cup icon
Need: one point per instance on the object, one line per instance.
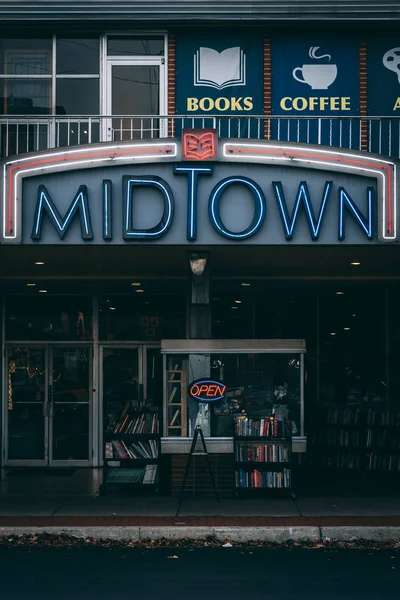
(312, 53)
(391, 60)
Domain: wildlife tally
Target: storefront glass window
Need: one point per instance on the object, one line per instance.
(352, 346)
(135, 46)
(77, 56)
(136, 318)
(49, 318)
(261, 385)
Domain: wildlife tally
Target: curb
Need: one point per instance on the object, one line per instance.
(236, 534)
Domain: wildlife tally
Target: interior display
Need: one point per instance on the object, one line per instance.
(263, 385)
(132, 447)
(262, 454)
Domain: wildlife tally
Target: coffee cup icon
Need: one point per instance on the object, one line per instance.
(318, 77)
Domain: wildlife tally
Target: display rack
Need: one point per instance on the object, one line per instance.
(176, 403)
(262, 455)
(132, 449)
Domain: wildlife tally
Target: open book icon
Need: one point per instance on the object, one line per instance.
(219, 69)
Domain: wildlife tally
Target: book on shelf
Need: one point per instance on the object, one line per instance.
(134, 450)
(263, 452)
(150, 475)
(262, 427)
(174, 418)
(135, 423)
(263, 479)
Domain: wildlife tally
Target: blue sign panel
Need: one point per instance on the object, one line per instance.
(383, 80)
(220, 75)
(315, 78)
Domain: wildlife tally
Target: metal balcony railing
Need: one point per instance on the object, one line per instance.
(21, 134)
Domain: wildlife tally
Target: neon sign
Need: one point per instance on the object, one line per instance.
(132, 186)
(207, 390)
(251, 193)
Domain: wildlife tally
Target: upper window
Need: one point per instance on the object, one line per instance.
(150, 45)
(25, 57)
(77, 57)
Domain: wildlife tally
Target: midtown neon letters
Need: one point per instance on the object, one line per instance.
(304, 202)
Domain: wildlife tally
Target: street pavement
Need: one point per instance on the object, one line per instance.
(83, 573)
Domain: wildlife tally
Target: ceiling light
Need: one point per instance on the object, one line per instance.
(234, 307)
(139, 291)
(112, 308)
(355, 264)
(346, 328)
(244, 284)
(42, 291)
(339, 293)
(39, 262)
(354, 315)
(238, 301)
(333, 333)
(136, 283)
(30, 284)
(147, 302)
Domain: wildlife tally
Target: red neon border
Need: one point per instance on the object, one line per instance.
(63, 158)
(331, 159)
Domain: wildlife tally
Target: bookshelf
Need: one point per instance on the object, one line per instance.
(356, 438)
(262, 455)
(176, 403)
(132, 449)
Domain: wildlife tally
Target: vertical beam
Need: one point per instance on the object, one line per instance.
(171, 84)
(267, 88)
(200, 308)
(363, 94)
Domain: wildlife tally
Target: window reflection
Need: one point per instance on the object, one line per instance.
(25, 57)
(135, 46)
(49, 318)
(77, 56)
(78, 96)
(25, 96)
(136, 318)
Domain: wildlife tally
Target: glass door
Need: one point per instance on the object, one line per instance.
(48, 405)
(26, 406)
(135, 98)
(70, 406)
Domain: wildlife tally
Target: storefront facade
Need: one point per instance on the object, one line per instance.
(179, 205)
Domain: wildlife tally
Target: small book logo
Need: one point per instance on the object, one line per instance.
(219, 69)
(199, 145)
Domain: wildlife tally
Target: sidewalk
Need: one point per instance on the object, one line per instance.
(69, 505)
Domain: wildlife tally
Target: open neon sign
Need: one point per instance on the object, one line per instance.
(207, 390)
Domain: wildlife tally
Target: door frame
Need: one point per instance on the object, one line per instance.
(134, 61)
(48, 461)
(142, 378)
